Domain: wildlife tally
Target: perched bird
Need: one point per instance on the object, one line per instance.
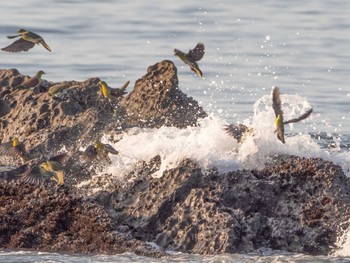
(27, 41)
(192, 57)
(238, 131)
(58, 88)
(32, 82)
(98, 151)
(14, 148)
(51, 169)
(279, 122)
(108, 92)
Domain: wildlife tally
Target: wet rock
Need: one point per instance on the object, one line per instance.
(293, 204)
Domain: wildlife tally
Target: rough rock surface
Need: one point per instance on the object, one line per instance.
(157, 100)
(293, 204)
(60, 220)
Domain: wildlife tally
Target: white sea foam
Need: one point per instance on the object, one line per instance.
(210, 146)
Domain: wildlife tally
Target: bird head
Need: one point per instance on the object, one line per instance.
(44, 166)
(98, 144)
(177, 52)
(102, 83)
(39, 74)
(15, 142)
(21, 31)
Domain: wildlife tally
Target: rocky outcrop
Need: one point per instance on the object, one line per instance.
(293, 204)
(61, 220)
(156, 100)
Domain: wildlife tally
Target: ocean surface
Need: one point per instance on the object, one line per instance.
(300, 46)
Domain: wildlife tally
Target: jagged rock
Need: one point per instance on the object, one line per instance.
(293, 204)
(156, 100)
(60, 220)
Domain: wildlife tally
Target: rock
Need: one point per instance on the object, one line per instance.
(156, 100)
(293, 204)
(44, 219)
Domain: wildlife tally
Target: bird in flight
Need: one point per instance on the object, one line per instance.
(192, 57)
(26, 41)
(279, 122)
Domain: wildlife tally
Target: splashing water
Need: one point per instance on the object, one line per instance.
(210, 146)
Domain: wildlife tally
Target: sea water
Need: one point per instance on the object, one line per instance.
(302, 47)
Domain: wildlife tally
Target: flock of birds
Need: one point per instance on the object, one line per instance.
(53, 168)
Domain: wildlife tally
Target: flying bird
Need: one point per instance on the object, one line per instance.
(98, 150)
(26, 41)
(192, 57)
(238, 131)
(52, 169)
(279, 122)
(15, 149)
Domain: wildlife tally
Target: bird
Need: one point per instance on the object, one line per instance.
(238, 131)
(192, 57)
(98, 150)
(108, 92)
(33, 81)
(52, 169)
(58, 88)
(27, 41)
(14, 148)
(279, 122)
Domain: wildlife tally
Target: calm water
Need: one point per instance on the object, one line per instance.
(302, 47)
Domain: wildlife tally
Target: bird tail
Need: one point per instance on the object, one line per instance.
(197, 70)
(125, 85)
(45, 45)
(302, 117)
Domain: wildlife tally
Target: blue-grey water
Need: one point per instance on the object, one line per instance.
(301, 46)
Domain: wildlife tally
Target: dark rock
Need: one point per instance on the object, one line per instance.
(156, 100)
(40, 218)
(293, 204)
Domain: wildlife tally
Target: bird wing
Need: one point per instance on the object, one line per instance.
(11, 37)
(45, 45)
(4, 147)
(236, 130)
(19, 45)
(118, 92)
(30, 83)
(196, 69)
(110, 149)
(302, 117)
(18, 151)
(89, 154)
(276, 101)
(33, 175)
(197, 53)
(60, 158)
